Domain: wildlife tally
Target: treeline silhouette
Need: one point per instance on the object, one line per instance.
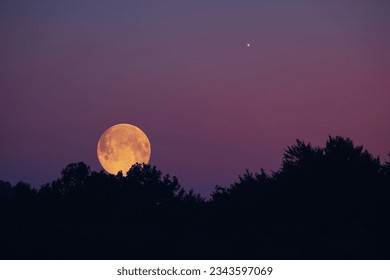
(329, 202)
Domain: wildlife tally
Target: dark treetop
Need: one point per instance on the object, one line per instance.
(329, 202)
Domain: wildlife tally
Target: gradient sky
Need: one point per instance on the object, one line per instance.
(181, 71)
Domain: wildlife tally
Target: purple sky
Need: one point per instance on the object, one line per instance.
(181, 71)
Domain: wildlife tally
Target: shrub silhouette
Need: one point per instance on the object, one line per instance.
(330, 202)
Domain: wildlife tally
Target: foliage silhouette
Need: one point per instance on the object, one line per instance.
(330, 202)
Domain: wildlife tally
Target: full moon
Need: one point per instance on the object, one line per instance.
(121, 146)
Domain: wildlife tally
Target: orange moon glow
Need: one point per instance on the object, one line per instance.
(121, 146)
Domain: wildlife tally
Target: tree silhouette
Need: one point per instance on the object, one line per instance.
(5, 190)
(323, 203)
(73, 178)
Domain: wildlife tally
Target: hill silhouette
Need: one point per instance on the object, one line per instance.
(330, 202)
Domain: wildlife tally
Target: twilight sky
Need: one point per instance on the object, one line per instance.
(181, 71)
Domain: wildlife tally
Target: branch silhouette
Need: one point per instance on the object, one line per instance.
(330, 202)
